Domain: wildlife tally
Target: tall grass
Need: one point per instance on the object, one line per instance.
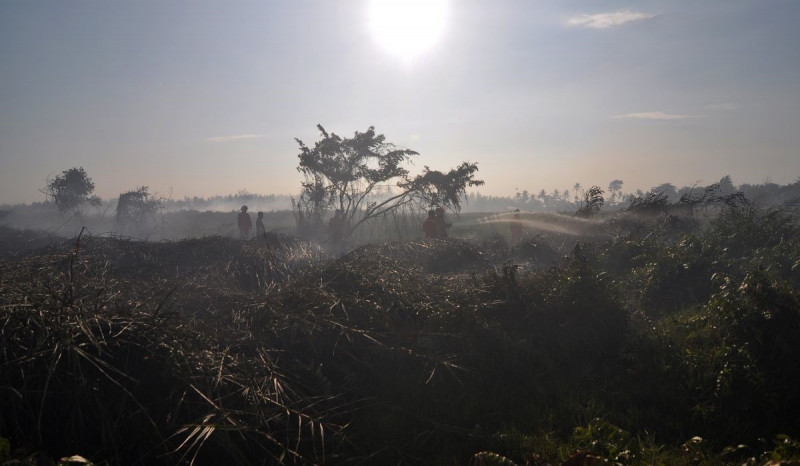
(637, 343)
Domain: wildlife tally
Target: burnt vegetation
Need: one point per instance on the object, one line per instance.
(666, 336)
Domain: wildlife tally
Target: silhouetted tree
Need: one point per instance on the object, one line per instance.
(343, 173)
(70, 189)
(669, 190)
(576, 190)
(310, 206)
(136, 210)
(726, 186)
(592, 202)
(615, 187)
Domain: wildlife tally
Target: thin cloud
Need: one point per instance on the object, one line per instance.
(236, 137)
(608, 20)
(661, 116)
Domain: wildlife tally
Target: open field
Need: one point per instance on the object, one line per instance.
(637, 339)
(400, 232)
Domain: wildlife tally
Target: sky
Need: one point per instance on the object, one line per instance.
(199, 98)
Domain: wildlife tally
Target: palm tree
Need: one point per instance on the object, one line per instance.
(543, 198)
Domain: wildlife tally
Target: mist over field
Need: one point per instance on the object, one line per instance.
(400, 232)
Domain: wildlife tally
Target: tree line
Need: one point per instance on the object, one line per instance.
(570, 199)
(366, 177)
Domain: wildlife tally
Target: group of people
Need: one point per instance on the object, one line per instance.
(435, 226)
(246, 224)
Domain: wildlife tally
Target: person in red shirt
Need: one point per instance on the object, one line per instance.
(515, 225)
(429, 225)
(245, 223)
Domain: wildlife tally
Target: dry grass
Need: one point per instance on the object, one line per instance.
(207, 349)
(105, 351)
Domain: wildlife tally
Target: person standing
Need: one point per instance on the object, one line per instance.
(245, 223)
(261, 232)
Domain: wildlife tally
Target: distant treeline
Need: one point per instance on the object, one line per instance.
(230, 202)
(568, 199)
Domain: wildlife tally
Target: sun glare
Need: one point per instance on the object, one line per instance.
(407, 28)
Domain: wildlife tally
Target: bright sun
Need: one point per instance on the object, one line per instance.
(407, 28)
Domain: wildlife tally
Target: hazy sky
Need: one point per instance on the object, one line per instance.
(202, 98)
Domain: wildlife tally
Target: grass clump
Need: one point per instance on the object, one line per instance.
(93, 364)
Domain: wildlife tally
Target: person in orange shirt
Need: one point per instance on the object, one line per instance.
(245, 223)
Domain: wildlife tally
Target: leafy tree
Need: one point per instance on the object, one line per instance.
(345, 173)
(668, 189)
(70, 189)
(593, 200)
(136, 210)
(544, 198)
(726, 186)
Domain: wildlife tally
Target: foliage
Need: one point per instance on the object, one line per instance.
(752, 327)
(92, 362)
(678, 275)
(615, 187)
(346, 174)
(309, 208)
(136, 210)
(70, 189)
(651, 203)
(592, 202)
(439, 351)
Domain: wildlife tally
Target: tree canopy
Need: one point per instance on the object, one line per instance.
(347, 174)
(70, 189)
(136, 210)
(593, 200)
